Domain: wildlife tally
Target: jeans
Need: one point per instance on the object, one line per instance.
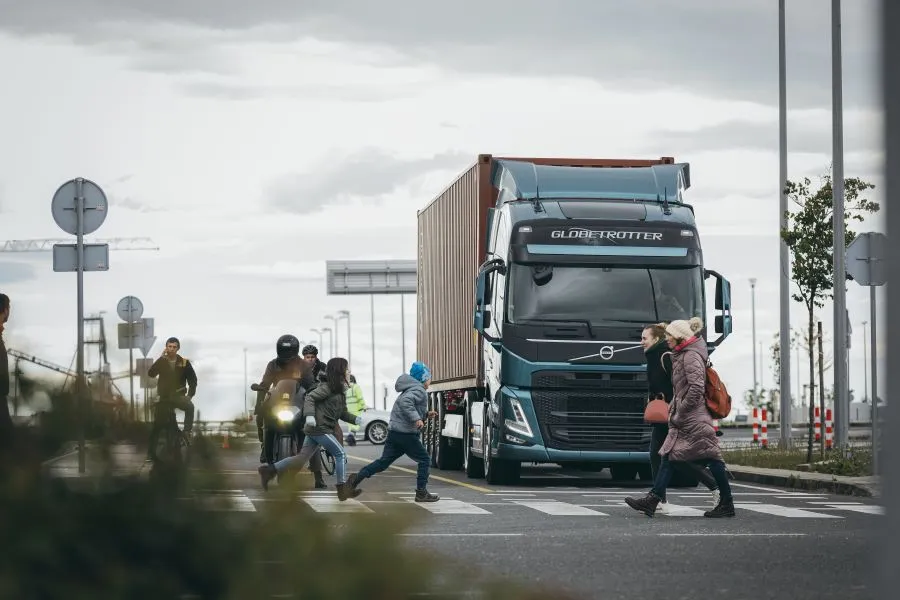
(667, 468)
(657, 439)
(310, 449)
(182, 403)
(396, 445)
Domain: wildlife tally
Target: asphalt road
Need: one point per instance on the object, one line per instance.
(573, 530)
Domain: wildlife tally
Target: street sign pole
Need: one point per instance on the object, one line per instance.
(79, 208)
(865, 258)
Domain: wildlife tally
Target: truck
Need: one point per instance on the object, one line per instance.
(536, 277)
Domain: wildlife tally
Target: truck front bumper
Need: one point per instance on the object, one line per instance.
(540, 454)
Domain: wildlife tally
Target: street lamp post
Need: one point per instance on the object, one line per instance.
(330, 341)
(402, 333)
(335, 338)
(753, 327)
(345, 314)
(784, 279)
(318, 332)
(246, 386)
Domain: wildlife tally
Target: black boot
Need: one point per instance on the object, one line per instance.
(725, 508)
(646, 505)
(266, 474)
(424, 495)
(320, 480)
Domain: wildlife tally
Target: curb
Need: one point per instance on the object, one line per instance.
(845, 486)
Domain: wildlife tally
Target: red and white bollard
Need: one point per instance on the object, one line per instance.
(817, 424)
(764, 429)
(829, 430)
(755, 425)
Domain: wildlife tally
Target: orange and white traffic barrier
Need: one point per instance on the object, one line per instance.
(225, 440)
(829, 430)
(755, 425)
(817, 425)
(764, 429)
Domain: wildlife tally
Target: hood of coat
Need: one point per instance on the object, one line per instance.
(405, 382)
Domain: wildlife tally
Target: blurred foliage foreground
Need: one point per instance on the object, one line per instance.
(145, 538)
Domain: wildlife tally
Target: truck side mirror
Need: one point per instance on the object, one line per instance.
(723, 322)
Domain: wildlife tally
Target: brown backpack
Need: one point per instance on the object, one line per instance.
(718, 400)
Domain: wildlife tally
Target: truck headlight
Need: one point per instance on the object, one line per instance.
(518, 423)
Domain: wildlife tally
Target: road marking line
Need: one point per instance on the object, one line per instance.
(757, 487)
(430, 476)
(784, 511)
(459, 534)
(860, 508)
(233, 503)
(557, 508)
(331, 504)
(675, 510)
(446, 506)
(731, 534)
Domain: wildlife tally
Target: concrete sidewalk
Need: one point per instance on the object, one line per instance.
(836, 484)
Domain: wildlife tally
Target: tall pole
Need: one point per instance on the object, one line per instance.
(753, 327)
(246, 385)
(402, 333)
(784, 287)
(330, 333)
(346, 315)
(874, 394)
(79, 361)
(334, 335)
(865, 363)
(799, 394)
(372, 307)
(131, 381)
(841, 389)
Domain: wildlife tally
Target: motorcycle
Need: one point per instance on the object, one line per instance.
(279, 410)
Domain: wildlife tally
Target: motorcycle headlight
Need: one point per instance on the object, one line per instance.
(285, 415)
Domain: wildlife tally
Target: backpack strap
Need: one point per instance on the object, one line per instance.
(662, 362)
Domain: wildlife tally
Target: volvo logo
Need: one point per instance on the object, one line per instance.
(606, 352)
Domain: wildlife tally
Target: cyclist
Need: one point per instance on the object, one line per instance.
(176, 373)
(311, 356)
(287, 364)
(356, 404)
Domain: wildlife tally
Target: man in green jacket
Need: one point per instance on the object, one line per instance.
(356, 405)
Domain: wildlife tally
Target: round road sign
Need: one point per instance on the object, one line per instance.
(130, 309)
(63, 206)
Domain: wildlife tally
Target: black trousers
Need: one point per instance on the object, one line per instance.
(657, 438)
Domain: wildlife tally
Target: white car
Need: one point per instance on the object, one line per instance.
(374, 428)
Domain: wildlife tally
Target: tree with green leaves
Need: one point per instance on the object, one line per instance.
(809, 237)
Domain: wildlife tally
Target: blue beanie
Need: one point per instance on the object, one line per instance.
(420, 372)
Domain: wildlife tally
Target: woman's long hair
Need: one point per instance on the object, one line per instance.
(335, 374)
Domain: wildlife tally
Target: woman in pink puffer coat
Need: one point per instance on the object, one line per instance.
(692, 437)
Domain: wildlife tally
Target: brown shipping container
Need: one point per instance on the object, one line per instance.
(451, 247)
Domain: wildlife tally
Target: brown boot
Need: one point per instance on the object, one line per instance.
(345, 491)
(646, 505)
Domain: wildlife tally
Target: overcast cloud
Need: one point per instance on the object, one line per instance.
(255, 145)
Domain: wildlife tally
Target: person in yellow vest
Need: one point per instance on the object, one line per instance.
(356, 405)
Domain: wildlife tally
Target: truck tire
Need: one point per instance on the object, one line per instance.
(472, 465)
(624, 472)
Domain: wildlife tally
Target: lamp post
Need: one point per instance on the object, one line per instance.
(753, 327)
(318, 332)
(402, 333)
(334, 337)
(246, 386)
(345, 314)
(865, 362)
(330, 341)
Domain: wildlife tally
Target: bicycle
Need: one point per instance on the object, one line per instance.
(172, 451)
(327, 460)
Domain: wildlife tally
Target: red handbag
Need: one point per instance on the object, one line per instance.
(656, 411)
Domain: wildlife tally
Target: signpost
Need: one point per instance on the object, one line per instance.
(79, 208)
(371, 277)
(865, 259)
(135, 332)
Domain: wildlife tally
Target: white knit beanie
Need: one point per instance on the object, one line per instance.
(682, 330)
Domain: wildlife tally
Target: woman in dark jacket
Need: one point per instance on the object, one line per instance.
(691, 438)
(323, 407)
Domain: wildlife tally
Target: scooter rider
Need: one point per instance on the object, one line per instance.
(286, 365)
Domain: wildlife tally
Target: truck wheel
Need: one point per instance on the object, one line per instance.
(472, 465)
(497, 471)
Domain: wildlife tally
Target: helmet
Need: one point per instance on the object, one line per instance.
(287, 347)
(310, 349)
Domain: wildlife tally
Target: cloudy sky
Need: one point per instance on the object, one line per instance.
(254, 142)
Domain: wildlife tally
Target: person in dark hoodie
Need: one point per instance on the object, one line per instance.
(659, 382)
(407, 419)
(323, 407)
(6, 424)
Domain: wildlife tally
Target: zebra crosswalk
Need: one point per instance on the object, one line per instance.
(584, 505)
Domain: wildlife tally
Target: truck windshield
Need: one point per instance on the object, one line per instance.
(604, 295)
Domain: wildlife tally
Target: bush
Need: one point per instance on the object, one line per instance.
(147, 539)
(854, 461)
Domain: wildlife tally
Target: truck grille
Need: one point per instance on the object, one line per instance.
(608, 417)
